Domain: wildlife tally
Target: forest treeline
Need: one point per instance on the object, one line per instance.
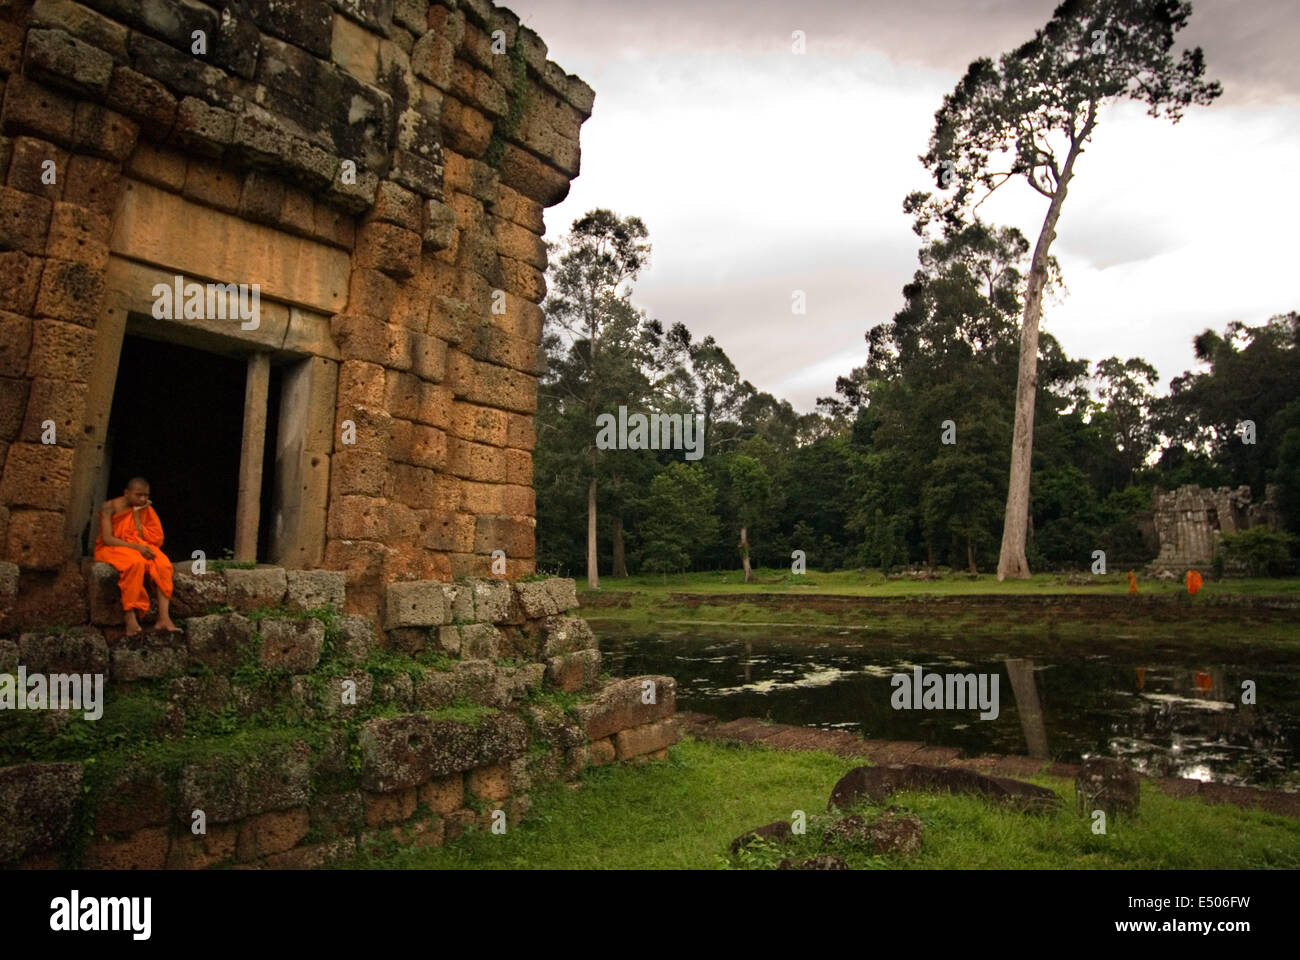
(867, 479)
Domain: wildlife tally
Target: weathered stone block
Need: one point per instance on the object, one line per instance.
(77, 651)
(621, 705)
(292, 645)
(136, 798)
(219, 641)
(252, 589)
(270, 833)
(62, 60)
(338, 814)
(537, 602)
(416, 604)
(310, 589)
(494, 602)
(563, 591)
(647, 738)
(489, 783)
(479, 641)
(148, 655)
(460, 600)
(193, 594)
(143, 850)
(358, 636)
(573, 672)
(59, 348)
(567, 635)
(42, 802)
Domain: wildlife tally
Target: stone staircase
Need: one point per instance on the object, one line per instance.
(443, 720)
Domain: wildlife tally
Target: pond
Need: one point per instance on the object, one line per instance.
(1168, 714)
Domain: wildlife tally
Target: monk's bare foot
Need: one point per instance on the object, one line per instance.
(165, 623)
(132, 625)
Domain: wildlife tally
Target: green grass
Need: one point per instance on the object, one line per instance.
(684, 813)
(872, 583)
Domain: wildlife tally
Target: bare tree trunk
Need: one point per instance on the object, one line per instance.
(1011, 559)
(970, 556)
(744, 553)
(593, 576)
(620, 561)
(929, 556)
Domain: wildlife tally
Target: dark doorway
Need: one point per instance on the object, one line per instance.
(177, 420)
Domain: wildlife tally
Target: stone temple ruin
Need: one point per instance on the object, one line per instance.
(376, 170)
(1190, 520)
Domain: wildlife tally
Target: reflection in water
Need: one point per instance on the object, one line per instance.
(1031, 714)
(1165, 718)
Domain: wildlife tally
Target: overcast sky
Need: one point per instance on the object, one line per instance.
(760, 172)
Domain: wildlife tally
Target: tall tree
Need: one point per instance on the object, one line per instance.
(1030, 116)
(751, 485)
(590, 302)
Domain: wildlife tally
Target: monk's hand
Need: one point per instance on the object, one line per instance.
(148, 554)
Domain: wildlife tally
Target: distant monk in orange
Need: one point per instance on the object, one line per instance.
(1132, 582)
(1193, 582)
(130, 538)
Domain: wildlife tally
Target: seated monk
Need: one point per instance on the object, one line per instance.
(130, 538)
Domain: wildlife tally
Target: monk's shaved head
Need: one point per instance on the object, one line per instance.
(136, 482)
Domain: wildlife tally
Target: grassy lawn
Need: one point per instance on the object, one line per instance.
(872, 583)
(684, 813)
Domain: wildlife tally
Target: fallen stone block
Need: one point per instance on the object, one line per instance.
(1107, 784)
(876, 784)
(890, 834)
(776, 830)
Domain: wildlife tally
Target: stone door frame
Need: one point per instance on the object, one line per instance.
(306, 416)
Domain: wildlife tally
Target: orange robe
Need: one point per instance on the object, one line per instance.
(1193, 581)
(131, 564)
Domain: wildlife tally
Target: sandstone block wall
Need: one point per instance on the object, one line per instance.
(231, 164)
(303, 739)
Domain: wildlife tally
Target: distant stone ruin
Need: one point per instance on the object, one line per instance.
(1189, 522)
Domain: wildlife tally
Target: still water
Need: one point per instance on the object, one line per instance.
(1169, 716)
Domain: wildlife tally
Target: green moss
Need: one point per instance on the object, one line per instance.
(463, 711)
(517, 104)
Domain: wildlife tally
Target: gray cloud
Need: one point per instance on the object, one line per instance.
(1249, 44)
